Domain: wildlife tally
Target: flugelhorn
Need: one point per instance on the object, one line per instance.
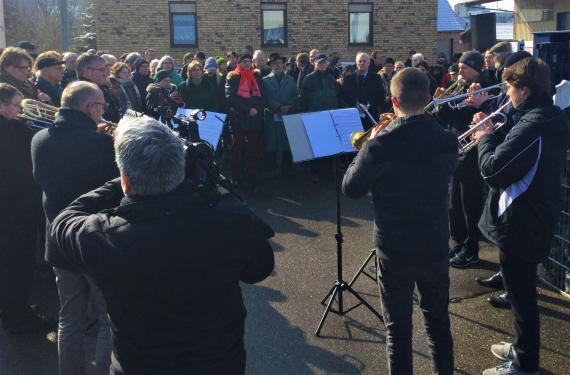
(454, 89)
(358, 138)
(466, 141)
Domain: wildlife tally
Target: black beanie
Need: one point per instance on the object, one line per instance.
(516, 57)
(161, 74)
(244, 55)
(389, 60)
(472, 59)
(139, 62)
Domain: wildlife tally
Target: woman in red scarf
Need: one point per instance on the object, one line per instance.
(243, 92)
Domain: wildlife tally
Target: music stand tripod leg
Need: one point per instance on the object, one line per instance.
(337, 288)
(361, 269)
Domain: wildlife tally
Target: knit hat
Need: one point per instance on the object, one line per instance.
(473, 59)
(516, 57)
(244, 55)
(501, 47)
(132, 58)
(161, 74)
(389, 60)
(220, 60)
(139, 62)
(210, 63)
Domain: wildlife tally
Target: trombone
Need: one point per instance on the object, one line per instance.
(454, 89)
(466, 141)
(437, 102)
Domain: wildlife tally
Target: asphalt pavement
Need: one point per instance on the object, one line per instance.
(284, 310)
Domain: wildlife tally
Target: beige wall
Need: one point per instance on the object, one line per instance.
(399, 25)
(444, 44)
(528, 16)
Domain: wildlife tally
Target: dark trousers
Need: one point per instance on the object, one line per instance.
(245, 144)
(466, 207)
(397, 280)
(17, 250)
(519, 279)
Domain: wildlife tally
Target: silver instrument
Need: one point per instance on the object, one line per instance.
(466, 141)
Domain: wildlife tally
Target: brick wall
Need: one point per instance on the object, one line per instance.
(398, 26)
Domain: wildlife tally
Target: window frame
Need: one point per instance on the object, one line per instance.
(171, 21)
(370, 42)
(559, 19)
(285, 28)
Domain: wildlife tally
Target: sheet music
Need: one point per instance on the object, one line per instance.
(210, 129)
(562, 97)
(346, 121)
(322, 134)
(297, 137)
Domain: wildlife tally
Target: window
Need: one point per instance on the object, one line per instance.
(273, 24)
(563, 21)
(183, 25)
(360, 24)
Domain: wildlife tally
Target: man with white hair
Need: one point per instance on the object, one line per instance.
(364, 88)
(69, 73)
(168, 258)
(417, 58)
(260, 62)
(87, 163)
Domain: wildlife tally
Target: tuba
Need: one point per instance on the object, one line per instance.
(358, 138)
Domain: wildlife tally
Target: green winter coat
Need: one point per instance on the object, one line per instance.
(203, 96)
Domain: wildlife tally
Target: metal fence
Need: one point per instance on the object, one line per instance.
(557, 267)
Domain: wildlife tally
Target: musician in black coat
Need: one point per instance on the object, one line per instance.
(407, 167)
(21, 216)
(364, 87)
(523, 206)
(168, 258)
(69, 159)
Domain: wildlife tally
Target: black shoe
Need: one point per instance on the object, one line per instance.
(455, 250)
(501, 301)
(495, 281)
(463, 260)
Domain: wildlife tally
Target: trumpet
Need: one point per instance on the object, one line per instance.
(454, 89)
(466, 141)
(437, 102)
(358, 138)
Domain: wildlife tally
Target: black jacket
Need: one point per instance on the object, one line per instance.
(239, 118)
(54, 92)
(142, 83)
(70, 159)
(319, 92)
(20, 196)
(408, 169)
(169, 267)
(367, 91)
(523, 206)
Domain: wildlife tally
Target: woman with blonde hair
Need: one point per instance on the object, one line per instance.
(167, 63)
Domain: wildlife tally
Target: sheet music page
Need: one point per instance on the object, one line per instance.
(346, 121)
(322, 134)
(562, 97)
(211, 128)
(297, 137)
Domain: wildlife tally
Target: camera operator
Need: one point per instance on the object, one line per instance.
(167, 257)
(162, 98)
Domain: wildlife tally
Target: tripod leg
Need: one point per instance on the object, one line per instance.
(363, 301)
(361, 269)
(327, 296)
(328, 309)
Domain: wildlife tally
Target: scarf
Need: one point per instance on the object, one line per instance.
(26, 87)
(247, 83)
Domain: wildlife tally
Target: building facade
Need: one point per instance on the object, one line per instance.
(540, 15)
(286, 26)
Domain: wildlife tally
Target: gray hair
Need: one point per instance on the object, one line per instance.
(258, 53)
(85, 61)
(132, 58)
(418, 56)
(77, 94)
(362, 54)
(163, 59)
(150, 156)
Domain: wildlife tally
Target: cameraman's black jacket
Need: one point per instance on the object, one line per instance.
(158, 102)
(70, 159)
(169, 267)
(407, 169)
(523, 172)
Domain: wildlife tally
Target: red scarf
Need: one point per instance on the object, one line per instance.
(247, 83)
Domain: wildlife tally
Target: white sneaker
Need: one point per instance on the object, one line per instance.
(507, 368)
(504, 351)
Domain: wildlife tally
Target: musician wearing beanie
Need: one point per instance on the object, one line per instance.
(466, 185)
(407, 167)
(522, 209)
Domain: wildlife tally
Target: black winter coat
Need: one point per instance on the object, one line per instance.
(523, 206)
(20, 196)
(70, 159)
(169, 267)
(369, 90)
(239, 118)
(407, 168)
(142, 83)
(319, 92)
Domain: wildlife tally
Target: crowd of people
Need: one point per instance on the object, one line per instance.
(119, 209)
